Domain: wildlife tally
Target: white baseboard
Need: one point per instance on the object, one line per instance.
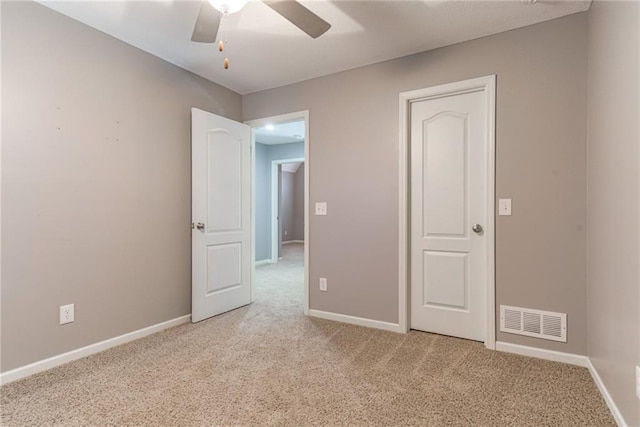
(555, 356)
(617, 416)
(572, 359)
(292, 241)
(263, 262)
(360, 321)
(61, 359)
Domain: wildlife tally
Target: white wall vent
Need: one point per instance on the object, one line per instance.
(533, 323)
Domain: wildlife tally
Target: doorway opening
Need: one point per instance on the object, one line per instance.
(280, 194)
(287, 205)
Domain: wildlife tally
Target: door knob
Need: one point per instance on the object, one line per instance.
(200, 226)
(477, 228)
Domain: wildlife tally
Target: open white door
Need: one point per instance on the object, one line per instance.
(221, 214)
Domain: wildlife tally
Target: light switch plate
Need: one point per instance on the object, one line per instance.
(321, 208)
(504, 207)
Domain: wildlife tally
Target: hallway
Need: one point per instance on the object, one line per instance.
(282, 284)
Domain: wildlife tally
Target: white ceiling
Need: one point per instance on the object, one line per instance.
(267, 51)
(282, 133)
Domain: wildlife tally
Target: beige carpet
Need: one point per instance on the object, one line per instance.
(266, 364)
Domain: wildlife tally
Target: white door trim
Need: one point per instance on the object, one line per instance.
(275, 200)
(283, 118)
(487, 84)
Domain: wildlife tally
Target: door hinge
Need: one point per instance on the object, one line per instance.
(193, 226)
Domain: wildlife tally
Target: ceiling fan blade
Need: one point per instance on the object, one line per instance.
(207, 23)
(299, 16)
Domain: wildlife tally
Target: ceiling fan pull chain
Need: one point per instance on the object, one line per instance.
(223, 37)
(223, 20)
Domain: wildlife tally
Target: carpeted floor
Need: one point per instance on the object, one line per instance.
(266, 364)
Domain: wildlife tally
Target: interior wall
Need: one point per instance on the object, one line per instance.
(540, 165)
(613, 215)
(298, 204)
(279, 174)
(96, 206)
(265, 155)
(262, 191)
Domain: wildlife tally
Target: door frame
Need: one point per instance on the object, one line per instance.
(282, 118)
(488, 85)
(275, 200)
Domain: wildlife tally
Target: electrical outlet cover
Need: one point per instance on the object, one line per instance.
(321, 208)
(67, 314)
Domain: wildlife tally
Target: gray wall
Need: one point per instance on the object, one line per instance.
(287, 205)
(96, 206)
(265, 154)
(298, 204)
(279, 174)
(613, 215)
(262, 185)
(292, 209)
(541, 158)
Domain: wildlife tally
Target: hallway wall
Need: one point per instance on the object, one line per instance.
(265, 155)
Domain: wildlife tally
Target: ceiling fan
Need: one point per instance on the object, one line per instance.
(208, 20)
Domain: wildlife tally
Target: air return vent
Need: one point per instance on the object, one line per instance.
(533, 323)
